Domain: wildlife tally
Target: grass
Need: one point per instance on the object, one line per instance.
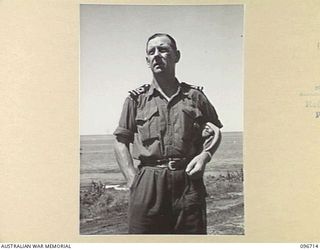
(97, 202)
(104, 211)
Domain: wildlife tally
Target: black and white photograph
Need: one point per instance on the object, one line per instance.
(142, 122)
(161, 120)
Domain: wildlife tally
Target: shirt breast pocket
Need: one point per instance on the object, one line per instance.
(147, 121)
(191, 123)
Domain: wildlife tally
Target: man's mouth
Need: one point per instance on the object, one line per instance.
(158, 64)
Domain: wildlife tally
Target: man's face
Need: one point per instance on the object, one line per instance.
(161, 57)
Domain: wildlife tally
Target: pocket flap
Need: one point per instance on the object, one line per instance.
(146, 114)
(192, 112)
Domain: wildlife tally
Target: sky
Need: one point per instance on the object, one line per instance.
(112, 57)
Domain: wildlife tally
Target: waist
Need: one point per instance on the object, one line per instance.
(170, 163)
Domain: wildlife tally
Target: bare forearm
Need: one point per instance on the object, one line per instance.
(212, 143)
(125, 161)
(196, 167)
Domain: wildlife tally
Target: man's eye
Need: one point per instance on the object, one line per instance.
(163, 50)
(151, 52)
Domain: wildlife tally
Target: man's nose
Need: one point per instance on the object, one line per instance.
(156, 52)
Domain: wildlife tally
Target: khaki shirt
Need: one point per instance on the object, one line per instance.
(163, 129)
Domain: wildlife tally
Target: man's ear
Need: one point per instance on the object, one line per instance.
(147, 61)
(177, 56)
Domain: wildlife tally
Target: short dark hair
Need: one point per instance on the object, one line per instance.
(173, 42)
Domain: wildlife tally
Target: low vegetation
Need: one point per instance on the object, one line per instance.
(104, 211)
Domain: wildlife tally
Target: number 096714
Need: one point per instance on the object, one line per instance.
(305, 245)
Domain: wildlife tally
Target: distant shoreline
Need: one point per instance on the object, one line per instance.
(109, 135)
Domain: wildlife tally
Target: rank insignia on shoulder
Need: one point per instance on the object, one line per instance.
(200, 88)
(138, 91)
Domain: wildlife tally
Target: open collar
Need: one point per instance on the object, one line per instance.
(153, 90)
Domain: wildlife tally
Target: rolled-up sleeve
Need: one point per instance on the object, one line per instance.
(127, 125)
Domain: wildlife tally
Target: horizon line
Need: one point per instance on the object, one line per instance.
(237, 131)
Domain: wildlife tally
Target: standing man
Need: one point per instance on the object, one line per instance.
(177, 132)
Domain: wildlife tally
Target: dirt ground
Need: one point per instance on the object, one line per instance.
(104, 211)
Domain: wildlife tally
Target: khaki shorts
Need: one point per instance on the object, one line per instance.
(163, 201)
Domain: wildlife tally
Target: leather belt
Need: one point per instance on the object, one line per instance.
(170, 163)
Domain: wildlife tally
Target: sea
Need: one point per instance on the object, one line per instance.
(98, 163)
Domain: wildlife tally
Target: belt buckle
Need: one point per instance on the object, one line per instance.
(171, 164)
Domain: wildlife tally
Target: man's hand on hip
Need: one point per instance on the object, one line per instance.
(130, 180)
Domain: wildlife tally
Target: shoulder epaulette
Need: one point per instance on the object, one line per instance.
(138, 91)
(200, 88)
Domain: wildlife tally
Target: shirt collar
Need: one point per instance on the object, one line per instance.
(153, 90)
(184, 90)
